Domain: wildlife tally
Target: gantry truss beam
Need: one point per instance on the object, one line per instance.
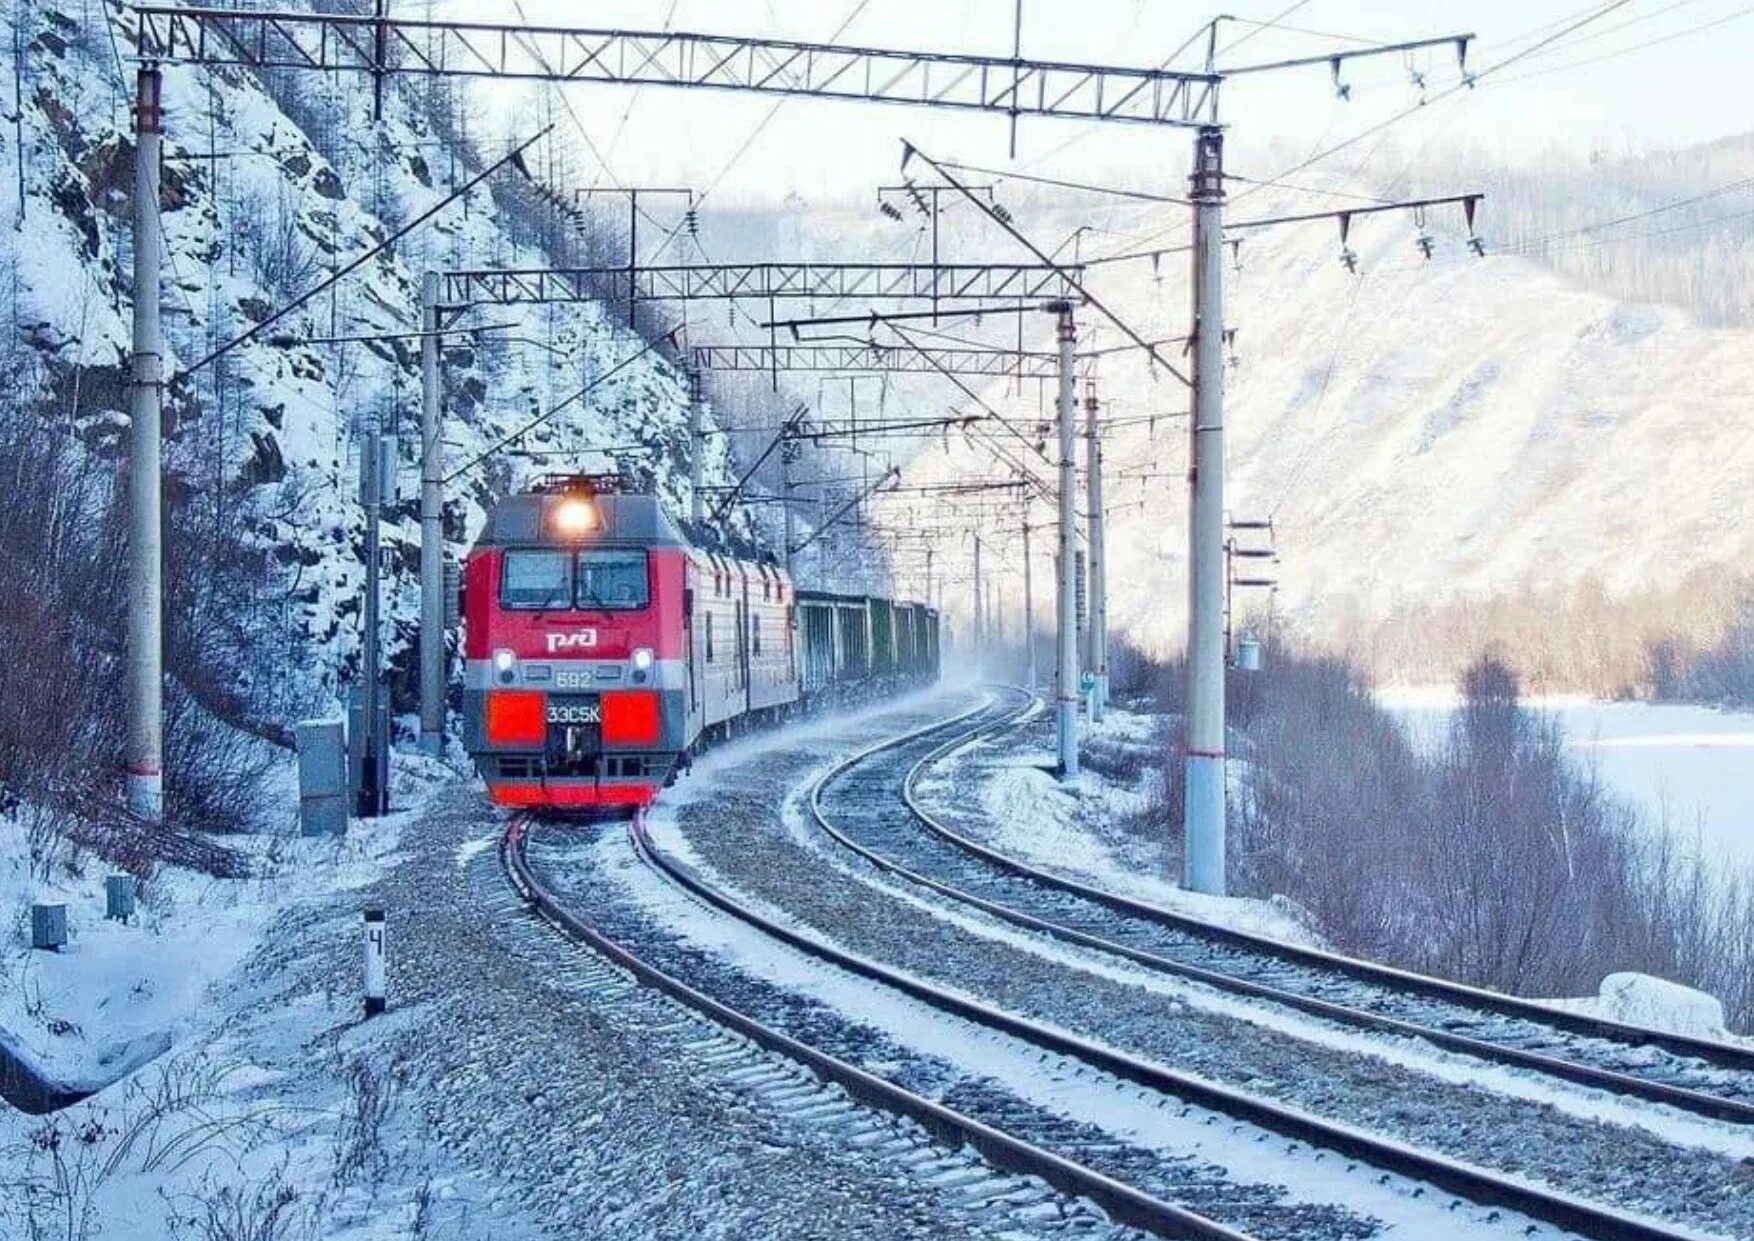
(872, 357)
(829, 281)
(1009, 87)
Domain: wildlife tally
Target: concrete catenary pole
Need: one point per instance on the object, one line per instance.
(145, 546)
(1096, 657)
(1204, 812)
(788, 451)
(696, 452)
(1028, 608)
(432, 526)
(371, 475)
(822, 539)
(1066, 686)
(980, 620)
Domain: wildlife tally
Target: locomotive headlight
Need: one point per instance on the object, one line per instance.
(573, 518)
(504, 662)
(642, 658)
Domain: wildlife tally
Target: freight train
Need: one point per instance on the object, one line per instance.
(602, 650)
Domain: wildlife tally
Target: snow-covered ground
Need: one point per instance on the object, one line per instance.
(120, 994)
(1069, 828)
(1689, 769)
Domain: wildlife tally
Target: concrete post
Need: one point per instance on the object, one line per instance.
(1097, 637)
(371, 739)
(980, 620)
(821, 539)
(788, 451)
(1204, 813)
(432, 526)
(1028, 608)
(1066, 688)
(145, 548)
(696, 453)
(374, 962)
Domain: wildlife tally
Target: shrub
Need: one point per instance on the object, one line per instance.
(1498, 859)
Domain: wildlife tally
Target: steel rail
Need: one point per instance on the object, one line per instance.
(1476, 1185)
(1701, 1103)
(1720, 1054)
(1122, 1203)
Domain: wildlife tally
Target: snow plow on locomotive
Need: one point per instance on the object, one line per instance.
(602, 649)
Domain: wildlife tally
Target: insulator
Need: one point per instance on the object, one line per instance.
(691, 221)
(1000, 214)
(889, 209)
(1349, 259)
(1425, 244)
(1477, 244)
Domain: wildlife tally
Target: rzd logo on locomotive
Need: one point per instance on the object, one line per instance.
(582, 639)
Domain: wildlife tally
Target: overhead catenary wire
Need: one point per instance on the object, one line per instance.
(554, 409)
(353, 265)
(1550, 34)
(1636, 47)
(1041, 256)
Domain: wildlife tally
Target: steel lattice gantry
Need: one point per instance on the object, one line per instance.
(1010, 282)
(1008, 86)
(882, 359)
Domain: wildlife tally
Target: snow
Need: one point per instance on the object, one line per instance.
(1127, 1112)
(1689, 769)
(1655, 1004)
(1723, 1138)
(1030, 815)
(120, 995)
(1483, 425)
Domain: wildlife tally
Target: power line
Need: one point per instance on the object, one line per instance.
(552, 410)
(1676, 204)
(1060, 183)
(1599, 242)
(1636, 47)
(1566, 27)
(515, 156)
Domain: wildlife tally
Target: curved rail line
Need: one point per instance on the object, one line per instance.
(1475, 1184)
(1123, 1203)
(1120, 910)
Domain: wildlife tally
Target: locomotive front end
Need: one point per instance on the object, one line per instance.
(575, 680)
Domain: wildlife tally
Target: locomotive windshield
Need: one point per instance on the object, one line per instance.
(536, 580)
(599, 580)
(612, 579)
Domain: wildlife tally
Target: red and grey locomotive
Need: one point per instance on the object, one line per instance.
(602, 648)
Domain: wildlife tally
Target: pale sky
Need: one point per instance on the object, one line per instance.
(1658, 73)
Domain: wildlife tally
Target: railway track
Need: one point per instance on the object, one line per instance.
(1006, 1133)
(1706, 1078)
(1139, 1186)
(870, 794)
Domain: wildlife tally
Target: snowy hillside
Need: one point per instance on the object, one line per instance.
(1421, 433)
(269, 188)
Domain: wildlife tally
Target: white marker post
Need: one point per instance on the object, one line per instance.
(374, 961)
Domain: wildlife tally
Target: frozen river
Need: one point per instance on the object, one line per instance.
(1690, 769)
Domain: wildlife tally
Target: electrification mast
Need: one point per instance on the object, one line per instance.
(1066, 662)
(1203, 812)
(146, 404)
(1097, 656)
